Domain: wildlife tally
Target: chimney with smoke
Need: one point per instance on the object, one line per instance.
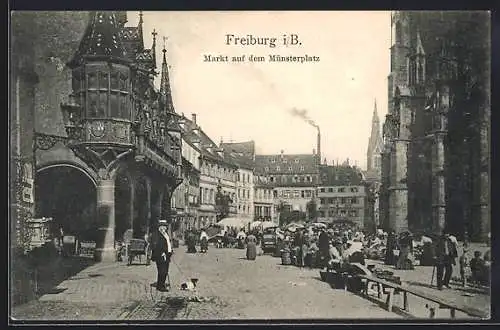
(319, 146)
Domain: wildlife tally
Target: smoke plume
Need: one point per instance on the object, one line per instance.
(302, 113)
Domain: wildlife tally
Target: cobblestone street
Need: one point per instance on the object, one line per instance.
(230, 287)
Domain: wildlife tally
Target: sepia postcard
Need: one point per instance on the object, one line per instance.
(249, 165)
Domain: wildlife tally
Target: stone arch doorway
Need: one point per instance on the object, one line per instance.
(67, 194)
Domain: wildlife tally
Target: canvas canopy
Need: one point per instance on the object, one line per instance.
(234, 222)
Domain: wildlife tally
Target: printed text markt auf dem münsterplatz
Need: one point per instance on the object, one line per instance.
(271, 58)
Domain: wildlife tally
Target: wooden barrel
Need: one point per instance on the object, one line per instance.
(285, 257)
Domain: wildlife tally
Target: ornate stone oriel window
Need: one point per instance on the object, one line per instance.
(108, 94)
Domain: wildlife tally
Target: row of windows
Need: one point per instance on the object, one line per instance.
(294, 193)
(107, 93)
(262, 211)
(263, 193)
(332, 213)
(284, 160)
(339, 189)
(341, 200)
(278, 168)
(207, 196)
(218, 171)
(244, 209)
(243, 193)
(295, 179)
(244, 177)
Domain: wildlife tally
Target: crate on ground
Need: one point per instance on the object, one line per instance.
(87, 249)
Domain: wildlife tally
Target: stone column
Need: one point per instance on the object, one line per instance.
(398, 190)
(156, 207)
(148, 205)
(438, 184)
(105, 249)
(484, 176)
(132, 208)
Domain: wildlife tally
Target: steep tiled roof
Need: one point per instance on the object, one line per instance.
(340, 175)
(207, 147)
(286, 164)
(101, 38)
(241, 153)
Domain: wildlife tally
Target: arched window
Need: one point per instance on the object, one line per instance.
(399, 33)
(420, 71)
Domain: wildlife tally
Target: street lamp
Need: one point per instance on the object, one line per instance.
(72, 116)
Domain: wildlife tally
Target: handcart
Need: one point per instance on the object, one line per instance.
(138, 248)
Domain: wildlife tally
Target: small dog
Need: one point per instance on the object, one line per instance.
(189, 285)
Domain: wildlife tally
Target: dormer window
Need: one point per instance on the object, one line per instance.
(277, 168)
(266, 168)
(290, 168)
(296, 160)
(273, 160)
(302, 168)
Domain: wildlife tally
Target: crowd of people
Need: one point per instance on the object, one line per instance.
(319, 247)
(335, 245)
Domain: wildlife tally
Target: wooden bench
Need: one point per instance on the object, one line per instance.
(390, 288)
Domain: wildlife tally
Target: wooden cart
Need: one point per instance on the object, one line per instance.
(138, 248)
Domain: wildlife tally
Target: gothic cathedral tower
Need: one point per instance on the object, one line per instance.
(396, 127)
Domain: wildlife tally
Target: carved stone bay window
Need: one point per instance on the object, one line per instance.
(107, 92)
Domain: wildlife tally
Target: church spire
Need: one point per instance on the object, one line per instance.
(153, 47)
(165, 91)
(375, 118)
(375, 142)
(139, 28)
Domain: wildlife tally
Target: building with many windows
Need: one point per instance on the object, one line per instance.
(294, 178)
(186, 197)
(264, 200)
(342, 195)
(217, 173)
(242, 154)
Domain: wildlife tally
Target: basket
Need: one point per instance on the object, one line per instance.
(285, 257)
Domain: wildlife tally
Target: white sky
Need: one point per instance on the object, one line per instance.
(251, 101)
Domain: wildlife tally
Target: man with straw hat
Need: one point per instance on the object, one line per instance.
(162, 252)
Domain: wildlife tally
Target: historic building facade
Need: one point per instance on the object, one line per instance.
(263, 199)
(435, 172)
(187, 197)
(217, 173)
(342, 195)
(99, 124)
(242, 154)
(294, 178)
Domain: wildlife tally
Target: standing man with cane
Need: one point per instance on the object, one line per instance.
(162, 252)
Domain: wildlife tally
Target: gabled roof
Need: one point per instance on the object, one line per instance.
(240, 153)
(286, 164)
(207, 147)
(340, 175)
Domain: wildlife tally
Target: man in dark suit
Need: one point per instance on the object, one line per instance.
(162, 252)
(446, 253)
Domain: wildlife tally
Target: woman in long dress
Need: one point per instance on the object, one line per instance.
(251, 247)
